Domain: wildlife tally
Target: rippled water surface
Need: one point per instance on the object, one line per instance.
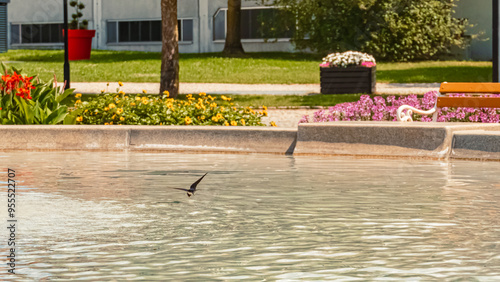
(105, 216)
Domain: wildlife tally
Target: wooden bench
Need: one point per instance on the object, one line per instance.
(455, 102)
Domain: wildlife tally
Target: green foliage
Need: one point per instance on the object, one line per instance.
(120, 109)
(43, 107)
(391, 30)
(75, 22)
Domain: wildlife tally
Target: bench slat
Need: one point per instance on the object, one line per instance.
(469, 102)
(472, 87)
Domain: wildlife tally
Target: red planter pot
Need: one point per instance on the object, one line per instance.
(80, 44)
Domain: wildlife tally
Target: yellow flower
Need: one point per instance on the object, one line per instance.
(122, 118)
(170, 105)
(215, 119)
(145, 102)
(132, 104)
(120, 83)
(224, 98)
(121, 92)
(234, 123)
(243, 122)
(78, 102)
(106, 109)
(213, 105)
(106, 123)
(166, 93)
(265, 108)
(102, 91)
(110, 123)
(112, 106)
(202, 117)
(219, 116)
(137, 98)
(203, 94)
(144, 91)
(197, 106)
(226, 123)
(222, 109)
(78, 95)
(119, 110)
(113, 117)
(79, 119)
(264, 112)
(86, 110)
(188, 120)
(273, 124)
(126, 97)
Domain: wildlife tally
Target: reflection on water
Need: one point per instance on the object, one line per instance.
(112, 216)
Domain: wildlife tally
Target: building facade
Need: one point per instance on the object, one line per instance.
(136, 25)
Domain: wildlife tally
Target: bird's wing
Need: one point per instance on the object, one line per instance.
(181, 189)
(193, 186)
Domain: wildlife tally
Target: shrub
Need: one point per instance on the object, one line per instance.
(391, 30)
(202, 109)
(384, 109)
(27, 100)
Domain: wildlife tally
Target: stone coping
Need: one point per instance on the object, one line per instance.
(365, 139)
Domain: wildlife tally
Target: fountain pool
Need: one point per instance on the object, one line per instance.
(103, 216)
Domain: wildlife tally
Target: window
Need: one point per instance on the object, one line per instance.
(145, 31)
(36, 33)
(256, 23)
(220, 25)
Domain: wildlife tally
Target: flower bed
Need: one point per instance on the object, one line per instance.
(27, 100)
(384, 109)
(202, 109)
(347, 59)
(348, 72)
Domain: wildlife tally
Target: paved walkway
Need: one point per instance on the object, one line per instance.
(243, 89)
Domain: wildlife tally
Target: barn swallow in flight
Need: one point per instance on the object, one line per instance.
(192, 189)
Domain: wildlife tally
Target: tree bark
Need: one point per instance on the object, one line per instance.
(233, 46)
(169, 80)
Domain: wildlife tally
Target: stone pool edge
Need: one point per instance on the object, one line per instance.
(364, 139)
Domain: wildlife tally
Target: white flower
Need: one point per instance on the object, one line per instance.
(349, 58)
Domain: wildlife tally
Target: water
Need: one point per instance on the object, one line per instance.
(111, 216)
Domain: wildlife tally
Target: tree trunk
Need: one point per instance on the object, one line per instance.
(169, 80)
(233, 45)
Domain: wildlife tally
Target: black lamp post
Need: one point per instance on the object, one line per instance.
(66, 35)
(496, 37)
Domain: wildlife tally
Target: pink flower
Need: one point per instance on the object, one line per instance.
(324, 65)
(368, 64)
(380, 109)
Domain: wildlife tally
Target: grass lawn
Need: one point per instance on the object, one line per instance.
(282, 68)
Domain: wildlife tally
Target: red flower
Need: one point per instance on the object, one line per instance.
(21, 85)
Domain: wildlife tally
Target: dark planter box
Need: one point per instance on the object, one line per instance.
(348, 80)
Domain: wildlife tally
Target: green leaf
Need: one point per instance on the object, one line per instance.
(57, 116)
(65, 94)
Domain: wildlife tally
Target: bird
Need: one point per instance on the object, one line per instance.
(192, 189)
